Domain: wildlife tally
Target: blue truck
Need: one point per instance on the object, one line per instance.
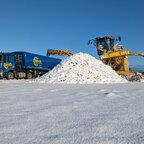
(25, 65)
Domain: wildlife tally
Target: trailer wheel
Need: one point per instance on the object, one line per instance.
(10, 76)
(29, 75)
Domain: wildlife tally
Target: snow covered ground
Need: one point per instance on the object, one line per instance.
(42, 113)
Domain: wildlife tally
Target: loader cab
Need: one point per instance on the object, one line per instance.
(104, 44)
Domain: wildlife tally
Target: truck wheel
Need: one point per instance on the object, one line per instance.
(10, 76)
(29, 75)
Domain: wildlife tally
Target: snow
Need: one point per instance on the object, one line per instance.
(83, 69)
(43, 113)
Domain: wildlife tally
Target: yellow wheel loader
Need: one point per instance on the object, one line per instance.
(110, 53)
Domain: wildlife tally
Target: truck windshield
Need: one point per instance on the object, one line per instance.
(0, 58)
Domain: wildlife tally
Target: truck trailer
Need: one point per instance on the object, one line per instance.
(25, 65)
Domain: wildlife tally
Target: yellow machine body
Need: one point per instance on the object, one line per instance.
(118, 59)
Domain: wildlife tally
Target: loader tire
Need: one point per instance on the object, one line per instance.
(10, 76)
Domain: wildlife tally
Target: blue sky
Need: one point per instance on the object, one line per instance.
(38, 25)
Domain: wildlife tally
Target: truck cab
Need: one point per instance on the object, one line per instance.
(7, 65)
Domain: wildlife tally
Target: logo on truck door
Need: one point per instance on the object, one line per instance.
(7, 65)
(36, 61)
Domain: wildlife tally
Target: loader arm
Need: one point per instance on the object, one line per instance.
(120, 53)
(59, 52)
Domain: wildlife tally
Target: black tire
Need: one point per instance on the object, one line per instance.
(29, 75)
(10, 76)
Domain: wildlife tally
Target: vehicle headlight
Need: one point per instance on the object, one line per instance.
(1, 73)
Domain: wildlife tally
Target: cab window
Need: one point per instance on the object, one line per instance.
(6, 58)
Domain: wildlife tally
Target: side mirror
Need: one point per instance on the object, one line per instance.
(89, 42)
(119, 38)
